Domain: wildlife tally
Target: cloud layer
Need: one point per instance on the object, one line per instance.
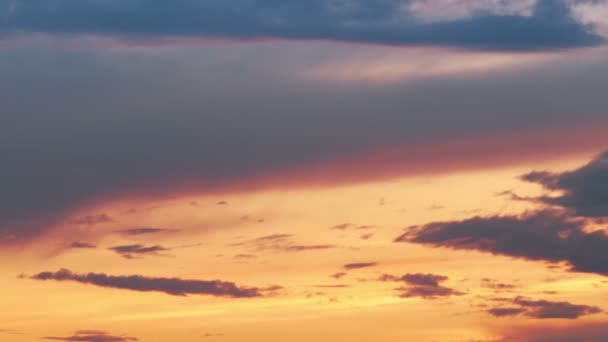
(551, 24)
(73, 145)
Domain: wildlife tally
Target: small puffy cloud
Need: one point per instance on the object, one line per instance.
(421, 285)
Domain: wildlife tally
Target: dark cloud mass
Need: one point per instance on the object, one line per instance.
(546, 235)
(70, 146)
(92, 336)
(421, 285)
(171, 286)
(551, 24)
(584, 191)
(543, 309)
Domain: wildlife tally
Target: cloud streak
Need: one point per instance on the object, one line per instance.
(360, 265)
(92, 336)
(144, 231)
(171, 286)
(281, 243)
(133, 251)
(81, 245)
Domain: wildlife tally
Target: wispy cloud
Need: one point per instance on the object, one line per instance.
(339, 275)
(281, 243)
(92, 336)
(144, 231)
(81, 245)
(90, 220)
(359, 265)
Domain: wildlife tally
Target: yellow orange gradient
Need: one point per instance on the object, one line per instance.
(209, 228)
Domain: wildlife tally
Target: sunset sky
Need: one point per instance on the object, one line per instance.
(304, 170)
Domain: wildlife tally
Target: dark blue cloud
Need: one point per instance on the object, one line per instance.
(550, 26)
(584, 190)
(543, 236)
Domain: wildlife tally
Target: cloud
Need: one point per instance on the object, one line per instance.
(338, 286)
(497, 286)
(244, 256)
(543, 309)
(359, 265)
(326, 141)
(576, 332)
(546, 236)
(78, 244)
(213, 335)
(90, 220)
(584, 190)
(339, 275)
(92, 336)
(302, 248)
(506, 311)
(280, 243)
(425, 286)
(366, 236)
(551, 24)
(144, 231)
(10, 331)
(171, 286)
(132, 251)
(349, 226)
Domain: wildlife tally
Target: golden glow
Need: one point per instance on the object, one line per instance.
(211, 230)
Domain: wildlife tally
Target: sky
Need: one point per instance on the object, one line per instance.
(330, 170)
